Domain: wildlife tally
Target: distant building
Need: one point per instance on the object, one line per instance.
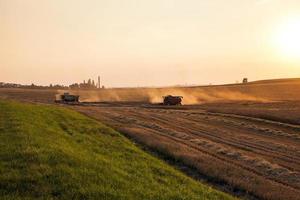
(89, 84)
(245, 80)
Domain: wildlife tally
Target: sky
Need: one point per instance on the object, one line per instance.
(148, 43)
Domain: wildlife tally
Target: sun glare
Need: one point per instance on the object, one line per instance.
(287, 37)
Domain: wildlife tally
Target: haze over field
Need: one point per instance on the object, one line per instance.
(148, 43)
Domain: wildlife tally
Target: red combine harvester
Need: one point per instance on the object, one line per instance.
(172, 100)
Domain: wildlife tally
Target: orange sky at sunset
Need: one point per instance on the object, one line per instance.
(148, 43)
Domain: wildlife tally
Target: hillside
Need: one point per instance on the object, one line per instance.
(260, 91)
(54, 153)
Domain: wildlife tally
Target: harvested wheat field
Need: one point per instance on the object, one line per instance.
(255, 155)
(247, 144)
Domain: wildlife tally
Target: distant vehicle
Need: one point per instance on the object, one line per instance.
(245, 80)
(172, 100)
(68, 98)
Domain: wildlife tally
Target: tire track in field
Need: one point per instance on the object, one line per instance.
(231, 140)
(184, 126)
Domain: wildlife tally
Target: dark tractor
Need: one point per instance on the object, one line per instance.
(68, 98)
(172, 100)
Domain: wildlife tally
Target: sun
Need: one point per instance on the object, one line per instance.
(287, 37)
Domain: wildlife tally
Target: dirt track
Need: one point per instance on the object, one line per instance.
(259, 156)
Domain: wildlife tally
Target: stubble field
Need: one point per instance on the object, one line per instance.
(249, 143)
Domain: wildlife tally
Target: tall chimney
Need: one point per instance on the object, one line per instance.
(99, 86)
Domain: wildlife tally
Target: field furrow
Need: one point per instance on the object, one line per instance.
(267, 152)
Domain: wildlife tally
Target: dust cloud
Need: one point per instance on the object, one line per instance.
(198, 96)
(191, 96)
